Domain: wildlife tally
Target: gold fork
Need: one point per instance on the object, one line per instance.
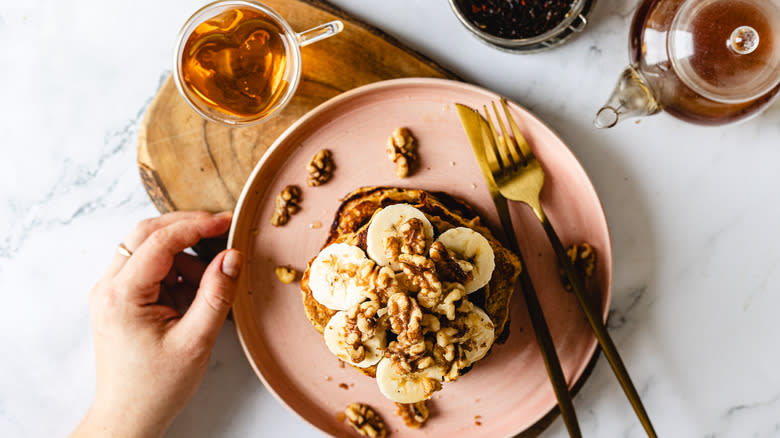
(520, 177)
(478, 133)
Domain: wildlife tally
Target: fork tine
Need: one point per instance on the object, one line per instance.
(507, 164)
(523, 149)
(506, 148)
(490, 151)
(517, 153)
(495, 139)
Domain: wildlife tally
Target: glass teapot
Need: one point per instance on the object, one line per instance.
(709, 62)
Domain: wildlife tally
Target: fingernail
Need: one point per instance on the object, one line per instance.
(231, 264)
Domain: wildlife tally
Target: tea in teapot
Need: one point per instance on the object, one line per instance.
(708, 62)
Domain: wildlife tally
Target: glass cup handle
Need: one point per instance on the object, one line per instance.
(320, 32)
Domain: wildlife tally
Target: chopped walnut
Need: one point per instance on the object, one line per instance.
(405, 318)
(449, 350)
(413, 414)
(408, 352)
(448, 267)
(429, 385)
(411, 240)
(286, 205)
(451, 293)
(360, 327)
(453, 341)
(421, 273)
(365, 420)
(424, 362)
(406, 283)
(466, 306)
(430, 323)
(384, 283)
(379, 282)
(583, 257)
(285, 274)
(434, 295)
(413, 232)
(320, 168)
(408, 357)
(401, 151)
(447, 336)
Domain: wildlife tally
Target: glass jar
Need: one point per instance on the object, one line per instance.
(575, 21)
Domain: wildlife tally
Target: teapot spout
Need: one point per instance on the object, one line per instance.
(632, 97)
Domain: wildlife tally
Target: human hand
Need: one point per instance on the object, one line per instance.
(150, 355)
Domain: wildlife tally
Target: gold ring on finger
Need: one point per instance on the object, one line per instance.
(124, 250)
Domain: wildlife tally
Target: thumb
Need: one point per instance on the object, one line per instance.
(214, 298)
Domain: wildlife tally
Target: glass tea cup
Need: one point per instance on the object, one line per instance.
(239, 62)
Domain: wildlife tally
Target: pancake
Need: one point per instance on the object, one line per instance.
(350, 225)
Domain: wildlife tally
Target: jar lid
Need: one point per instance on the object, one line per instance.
(727, 50)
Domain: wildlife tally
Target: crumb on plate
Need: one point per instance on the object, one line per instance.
(285, 274)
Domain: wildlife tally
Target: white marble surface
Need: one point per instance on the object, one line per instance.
(691, 212)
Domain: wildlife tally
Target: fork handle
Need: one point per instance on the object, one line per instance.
(594, 318)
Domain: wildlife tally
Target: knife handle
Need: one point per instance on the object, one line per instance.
(542, 331)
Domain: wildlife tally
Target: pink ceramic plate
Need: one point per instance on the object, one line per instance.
(503, 394)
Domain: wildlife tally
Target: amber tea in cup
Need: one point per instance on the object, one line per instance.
(235, 62)
(239, 62)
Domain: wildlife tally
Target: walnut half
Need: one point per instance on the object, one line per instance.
(413, 414)
(365, 420)
(401, 149)
(448, 268)
(320, 168)
(583, 257)
(286, 205)
(405, 318)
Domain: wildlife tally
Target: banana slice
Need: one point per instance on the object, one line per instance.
(374, 347)
(479, 336)
(407, 388)
(333, 276)
(386, 224)
(473, 248)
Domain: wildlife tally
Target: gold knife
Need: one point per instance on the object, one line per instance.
(477, 131)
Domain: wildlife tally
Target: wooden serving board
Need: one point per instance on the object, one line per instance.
(187, 163)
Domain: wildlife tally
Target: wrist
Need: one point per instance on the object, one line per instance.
(105, 420)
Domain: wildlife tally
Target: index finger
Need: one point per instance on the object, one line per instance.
(144, 229)
(141, 276)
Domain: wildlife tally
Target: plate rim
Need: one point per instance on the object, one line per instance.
(367, 89)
